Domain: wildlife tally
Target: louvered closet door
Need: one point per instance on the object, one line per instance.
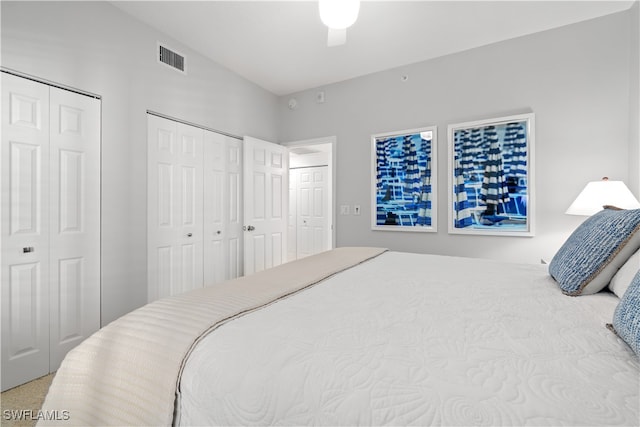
(74, 220)
(222, 208)
(25, 230)
(175, 210)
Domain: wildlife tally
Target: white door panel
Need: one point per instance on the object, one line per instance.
(74, 273)
(293, 209)
(233, 239)
(194, 207)
(50, 225)
(266, 194)
(222, 225)
(175, 207)
(162, 136)
(25, 227)
(313, 229)
(190, 225)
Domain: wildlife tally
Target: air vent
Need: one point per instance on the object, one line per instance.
(171, 58)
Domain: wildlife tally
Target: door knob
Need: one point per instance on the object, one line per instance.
(189, 234)
(28, 249)
(248, 228)
(218, 232)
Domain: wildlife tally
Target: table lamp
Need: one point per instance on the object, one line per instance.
(597, 194)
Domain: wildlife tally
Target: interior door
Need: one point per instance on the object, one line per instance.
(292, 227)
(222, 208)
(312, 211)
(74, 220)
(175, 197)
(25, 230)
(266, 194)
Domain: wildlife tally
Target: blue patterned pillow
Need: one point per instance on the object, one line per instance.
(595, 251)
(626, 319)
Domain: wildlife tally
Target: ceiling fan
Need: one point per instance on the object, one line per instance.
(338, 15)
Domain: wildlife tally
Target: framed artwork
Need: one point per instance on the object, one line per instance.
(404, 180)
(490, 181)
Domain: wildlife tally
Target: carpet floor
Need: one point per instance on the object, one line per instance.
(24, 400)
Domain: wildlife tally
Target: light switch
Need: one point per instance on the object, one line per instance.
(356, 209)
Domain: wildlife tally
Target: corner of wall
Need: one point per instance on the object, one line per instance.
(634, 98)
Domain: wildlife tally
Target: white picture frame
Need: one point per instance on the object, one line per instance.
(491, 176)
(404, 180)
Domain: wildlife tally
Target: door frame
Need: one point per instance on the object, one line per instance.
(332, 176)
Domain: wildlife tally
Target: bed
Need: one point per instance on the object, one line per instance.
(365, 336)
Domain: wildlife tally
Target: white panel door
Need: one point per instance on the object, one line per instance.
(292, 221)
(222, 208)
(266, 194)
(25, 230)
(50, 226)
(234, 236)
(74, 220)
(312, 211)
(175, 195)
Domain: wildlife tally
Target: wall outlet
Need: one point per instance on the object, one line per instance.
(344, 209)
(356, 209)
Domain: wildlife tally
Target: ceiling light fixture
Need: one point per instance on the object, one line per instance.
(338, 15)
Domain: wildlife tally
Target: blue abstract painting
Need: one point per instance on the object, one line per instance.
(491, 176)
(405, 181)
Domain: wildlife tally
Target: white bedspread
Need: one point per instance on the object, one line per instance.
(128, 372)
(407, 339)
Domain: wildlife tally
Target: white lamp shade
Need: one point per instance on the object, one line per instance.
(597, 194)
(339, 14)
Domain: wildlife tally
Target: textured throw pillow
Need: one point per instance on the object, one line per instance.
(595, 251)
(626, 319)
(622, 279)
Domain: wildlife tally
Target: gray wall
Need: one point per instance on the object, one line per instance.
(95, 47)
(580, 81)
(634, 99)
(575, 79)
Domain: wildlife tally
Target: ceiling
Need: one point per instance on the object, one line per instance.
(282, 45)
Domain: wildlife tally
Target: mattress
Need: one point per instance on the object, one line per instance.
(411, 339)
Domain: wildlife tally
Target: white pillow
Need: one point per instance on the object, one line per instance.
(620, 282)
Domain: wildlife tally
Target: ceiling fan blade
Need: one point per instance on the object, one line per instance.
(336, 37)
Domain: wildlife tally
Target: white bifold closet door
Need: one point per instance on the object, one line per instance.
(222, 208)
(50, 225)
(194, 207)
(174, 207)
